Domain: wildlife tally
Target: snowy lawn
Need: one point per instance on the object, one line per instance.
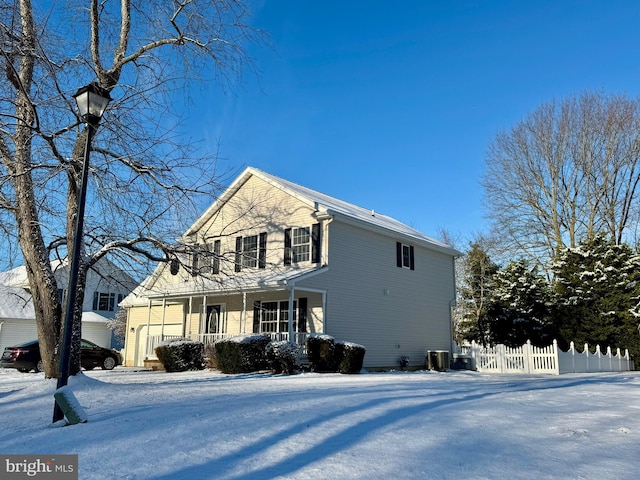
(397, 425)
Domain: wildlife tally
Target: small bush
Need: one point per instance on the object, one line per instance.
(349, 357)
(241, 354)
(321, 353)
(181, 355)
(283, 357)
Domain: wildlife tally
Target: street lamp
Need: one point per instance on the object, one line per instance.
(92, 101)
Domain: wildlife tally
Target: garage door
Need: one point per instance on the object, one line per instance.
(14, 332)
(97, 333)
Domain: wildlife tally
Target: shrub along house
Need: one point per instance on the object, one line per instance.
(278, 258)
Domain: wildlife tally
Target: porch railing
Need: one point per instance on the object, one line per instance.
(153, 341)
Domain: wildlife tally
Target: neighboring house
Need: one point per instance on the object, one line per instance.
(278, 258)
(106, 287)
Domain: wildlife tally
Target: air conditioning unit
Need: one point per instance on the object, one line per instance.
(437, 360)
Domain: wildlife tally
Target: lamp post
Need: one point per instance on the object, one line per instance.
(92, 101)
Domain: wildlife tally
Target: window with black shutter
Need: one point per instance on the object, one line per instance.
(287, 246)
(215, 261)
(238, 260)
(405, 256)
(251, 251)
(262, 254)
(302, 244)
(316, 246)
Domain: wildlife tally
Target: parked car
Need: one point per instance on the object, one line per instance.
(26, 357)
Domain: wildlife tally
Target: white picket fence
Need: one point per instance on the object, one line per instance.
(546, 360)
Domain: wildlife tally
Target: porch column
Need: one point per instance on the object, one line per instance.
(324, 312)
(164, 310)
(243, 314)
(149, 318)
(290, 320)
(203, 318)
(188, 318)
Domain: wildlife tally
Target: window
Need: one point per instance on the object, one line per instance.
(302, 244)
(206, 259)
(104, 302)
(274, 317)
(301, 247)
(215, 260)
(405, 256)
(251, 251)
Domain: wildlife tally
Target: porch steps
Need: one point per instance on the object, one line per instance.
(153, 364)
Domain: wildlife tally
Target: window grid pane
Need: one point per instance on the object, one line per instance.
(250, 251)
(301, 244)
(406, 256)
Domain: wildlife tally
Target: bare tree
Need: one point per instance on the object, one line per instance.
(566, 171)
(144, 177)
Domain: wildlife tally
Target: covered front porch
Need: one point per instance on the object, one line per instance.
(284, 314)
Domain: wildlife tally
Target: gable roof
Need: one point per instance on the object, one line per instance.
(324, 205)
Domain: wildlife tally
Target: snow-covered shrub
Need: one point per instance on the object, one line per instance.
(349, 357)
(321, 353)
(181, 355)
(241, 354)
(283, 357)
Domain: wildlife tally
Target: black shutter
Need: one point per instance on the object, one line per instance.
(287, 246)
(399, 254)
(256, 317)
(238, 265)
(302, 314)
(412, 264)
(215, 264)
(262, 252)
(195, 261)
(95, 300)
(315, 243)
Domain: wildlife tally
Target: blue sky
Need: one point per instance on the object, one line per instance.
(391, 105)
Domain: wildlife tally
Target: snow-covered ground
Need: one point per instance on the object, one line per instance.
(397, 425)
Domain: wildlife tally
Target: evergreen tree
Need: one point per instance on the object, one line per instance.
(597, 288)
(520, 307)
(478, 271)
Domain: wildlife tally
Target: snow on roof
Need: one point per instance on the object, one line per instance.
(15, 303)
(93, 317)
(324, 204)
(17, 277)
(251, 281)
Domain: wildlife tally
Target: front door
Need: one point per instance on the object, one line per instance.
(214, 321)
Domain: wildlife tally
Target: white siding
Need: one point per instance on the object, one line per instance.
(392, 311)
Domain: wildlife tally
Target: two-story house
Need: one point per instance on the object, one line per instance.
(106, 286)
(278, 258)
